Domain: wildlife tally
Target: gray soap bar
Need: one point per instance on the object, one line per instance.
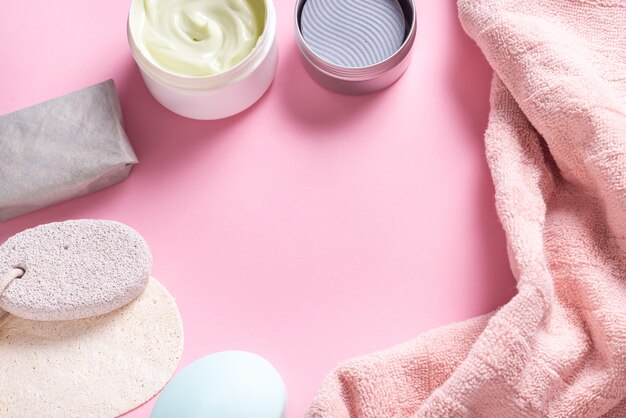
(353, 33)
(61, 149)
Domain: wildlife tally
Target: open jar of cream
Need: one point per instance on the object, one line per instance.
(355, 46)
(204, 59)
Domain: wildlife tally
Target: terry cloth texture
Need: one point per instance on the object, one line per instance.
(556, 146)
(74, 269)
(101, 366)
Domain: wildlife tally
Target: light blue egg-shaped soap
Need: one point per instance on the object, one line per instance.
(229, 384)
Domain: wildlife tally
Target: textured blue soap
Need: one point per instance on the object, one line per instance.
(353, 33)
(229, 384)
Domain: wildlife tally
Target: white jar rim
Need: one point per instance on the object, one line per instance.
(191, 82)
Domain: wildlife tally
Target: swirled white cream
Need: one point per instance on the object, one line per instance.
(198, 37)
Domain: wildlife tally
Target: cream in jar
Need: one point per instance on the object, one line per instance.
(198, 37)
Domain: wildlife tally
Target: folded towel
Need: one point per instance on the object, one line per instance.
(556, 146)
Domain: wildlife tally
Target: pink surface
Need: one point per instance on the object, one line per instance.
(556, 146)
(313, 227)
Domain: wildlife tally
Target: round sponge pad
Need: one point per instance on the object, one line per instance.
(74, 269)
(101, 366)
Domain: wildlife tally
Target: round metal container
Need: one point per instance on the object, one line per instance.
(358, 80)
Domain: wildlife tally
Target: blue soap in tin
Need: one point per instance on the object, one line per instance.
(355, 46)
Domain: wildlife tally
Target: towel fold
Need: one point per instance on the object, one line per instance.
(556, 147)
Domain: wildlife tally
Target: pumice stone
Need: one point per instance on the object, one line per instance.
(74, 269)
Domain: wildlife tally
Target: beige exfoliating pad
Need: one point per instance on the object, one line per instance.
(74, 269)
(101, 366)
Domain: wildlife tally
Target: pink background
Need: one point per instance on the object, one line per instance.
(311, 228)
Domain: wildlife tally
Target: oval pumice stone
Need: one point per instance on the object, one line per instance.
(74, 269)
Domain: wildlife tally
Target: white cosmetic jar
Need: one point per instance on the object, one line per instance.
(213, 96)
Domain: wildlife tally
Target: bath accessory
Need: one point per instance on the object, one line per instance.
(121, 351)
(73, 269)
(102, 366)
(204, 59)
(226, 384)
(355, 47)
(61, 149)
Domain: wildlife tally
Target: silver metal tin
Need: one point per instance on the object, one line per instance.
(358, 80)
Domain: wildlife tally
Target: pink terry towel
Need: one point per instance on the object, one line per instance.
(556, 146)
